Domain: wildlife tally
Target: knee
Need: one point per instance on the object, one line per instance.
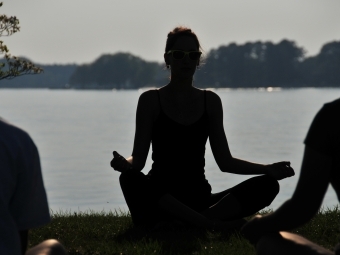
(272, 186)
(124, 181)
(48, 247)
(55, 247)
(123, 178)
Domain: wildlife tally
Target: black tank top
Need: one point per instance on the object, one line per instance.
(178, 152)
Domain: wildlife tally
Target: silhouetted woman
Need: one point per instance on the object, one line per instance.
(178, 119)
(320, 167)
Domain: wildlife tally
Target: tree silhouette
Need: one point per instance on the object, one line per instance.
(12, 66)
(327, 70)
(255, 64)
(281, 62)
(120, 71)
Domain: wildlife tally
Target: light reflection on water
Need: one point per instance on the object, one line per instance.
(76, 132)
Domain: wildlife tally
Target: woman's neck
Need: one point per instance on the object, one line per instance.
(181, 85)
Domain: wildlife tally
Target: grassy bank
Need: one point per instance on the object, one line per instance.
(113, 233)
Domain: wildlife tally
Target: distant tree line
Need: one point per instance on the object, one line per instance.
(120, 71)
(253, 64)
(53, 76)
(264, 64)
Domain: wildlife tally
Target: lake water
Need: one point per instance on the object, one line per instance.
(76, 132)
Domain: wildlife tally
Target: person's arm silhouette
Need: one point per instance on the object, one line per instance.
(320, 167)
(221, 151)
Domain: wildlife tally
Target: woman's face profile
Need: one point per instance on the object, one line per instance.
(185, 67)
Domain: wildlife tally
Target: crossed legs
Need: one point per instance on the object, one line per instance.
(240, 201)
(244, 199)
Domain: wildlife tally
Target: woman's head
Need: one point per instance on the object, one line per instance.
(179, 32)
(182, 52)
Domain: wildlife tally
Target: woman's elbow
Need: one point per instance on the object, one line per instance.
(225, 164)
(224, 168)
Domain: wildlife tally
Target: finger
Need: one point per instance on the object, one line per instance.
(287, 172)
(290, 170)
(119, 160)
(284, 164)
(117, 155)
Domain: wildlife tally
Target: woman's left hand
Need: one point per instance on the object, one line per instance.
(280, 170)
(120, 164)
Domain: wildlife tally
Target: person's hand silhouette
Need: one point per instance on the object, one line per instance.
(280, 170)
(119, 163)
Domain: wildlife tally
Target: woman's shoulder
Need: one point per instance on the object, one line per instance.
(213, 100)
(149, 95)
(212, 95)
(148, 99)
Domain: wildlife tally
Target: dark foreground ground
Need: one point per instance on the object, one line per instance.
(113, 233)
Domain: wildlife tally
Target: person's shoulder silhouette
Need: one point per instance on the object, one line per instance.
(23, 200)
(324, 132)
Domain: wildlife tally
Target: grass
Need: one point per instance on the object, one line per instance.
(113, 233)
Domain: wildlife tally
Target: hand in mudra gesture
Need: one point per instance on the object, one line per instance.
(119, 163)
(280, 170)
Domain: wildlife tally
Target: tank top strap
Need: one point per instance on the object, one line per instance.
(159, 99)
(205, 100)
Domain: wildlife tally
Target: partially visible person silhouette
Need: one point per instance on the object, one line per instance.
(320, 167)
(23, 201)
(178, 119)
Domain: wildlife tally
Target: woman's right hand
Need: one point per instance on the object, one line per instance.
(119, 163)
(280, 170)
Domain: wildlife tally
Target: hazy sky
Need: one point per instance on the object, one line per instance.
(79, 31)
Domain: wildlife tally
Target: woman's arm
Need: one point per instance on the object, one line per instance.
(221, 152)
(147, 110)
(305, 202)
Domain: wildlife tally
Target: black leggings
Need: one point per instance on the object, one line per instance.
(253, 195)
